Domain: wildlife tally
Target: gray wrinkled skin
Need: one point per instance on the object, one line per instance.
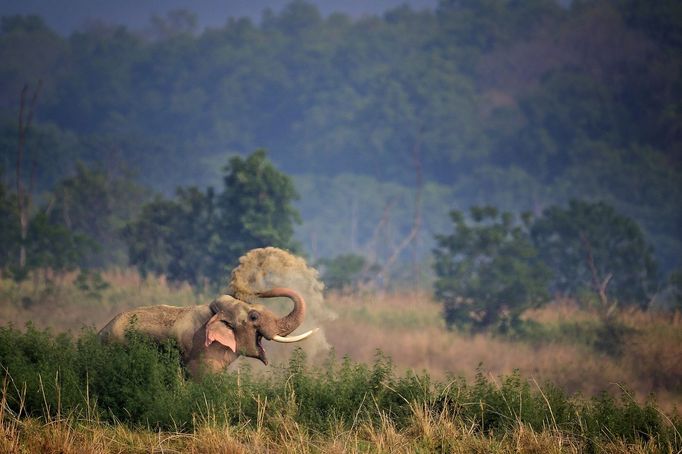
(187, 326)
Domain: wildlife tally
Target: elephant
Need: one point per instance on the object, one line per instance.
(211, 336)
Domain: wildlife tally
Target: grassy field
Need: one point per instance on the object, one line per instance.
(563, 348)
(440, 390)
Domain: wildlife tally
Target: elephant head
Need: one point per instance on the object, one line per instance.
(240, 326)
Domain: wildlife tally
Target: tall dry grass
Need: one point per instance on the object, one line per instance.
(409, 328)
(426, 431)
(61, 306)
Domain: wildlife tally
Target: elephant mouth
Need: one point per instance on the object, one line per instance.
(261, 350)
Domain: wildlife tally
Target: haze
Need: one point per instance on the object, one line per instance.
(68, 15)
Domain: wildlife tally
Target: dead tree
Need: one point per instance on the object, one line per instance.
(378, 230)
(599, 284)
(413, 234)
(24, 194)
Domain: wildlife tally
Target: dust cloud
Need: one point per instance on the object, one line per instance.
(264, 268)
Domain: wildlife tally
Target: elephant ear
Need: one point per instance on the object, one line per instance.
(217, 331)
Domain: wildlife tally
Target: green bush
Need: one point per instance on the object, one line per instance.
(199, 235)
(487, 271)
(607, 337)
(346, 272)
(583, 235)
(142, 384)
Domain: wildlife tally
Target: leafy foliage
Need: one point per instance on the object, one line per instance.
(345, 271)
(566, 238)
(96, 204)
(91, 284)
(488, 271)
(604, 336)
(255, 208)
(174, 237)
(9, 228)
(199, 235)
(141, 383)
(512, 94)
(48, 244)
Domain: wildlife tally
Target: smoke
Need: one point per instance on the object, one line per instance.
(264, 268)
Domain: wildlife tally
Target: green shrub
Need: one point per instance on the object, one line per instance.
(607, 337)
(487, 271)
(346, 272)
(495, 407)
(626, 420)
(614, 243)
(142, 384)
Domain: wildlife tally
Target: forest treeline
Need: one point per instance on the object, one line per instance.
(521, 105)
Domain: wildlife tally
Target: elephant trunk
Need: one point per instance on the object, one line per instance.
(293, 320)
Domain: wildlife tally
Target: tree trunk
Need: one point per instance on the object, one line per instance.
(24, 195)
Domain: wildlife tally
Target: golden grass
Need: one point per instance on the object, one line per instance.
(425, 432)
(409, 328)
(60, 306)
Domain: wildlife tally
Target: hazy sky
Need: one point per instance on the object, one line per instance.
(68, 15)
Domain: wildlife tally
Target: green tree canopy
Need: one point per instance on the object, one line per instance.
(488, 271)
(96, 204)
(175, 237)
(200, 235)
(51, 245)
(255, 208)
(9, 228)
(346, 272)
(481, 90)
(590, 240)
(47, 244)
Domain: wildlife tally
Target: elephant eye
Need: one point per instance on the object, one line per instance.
(253, 316)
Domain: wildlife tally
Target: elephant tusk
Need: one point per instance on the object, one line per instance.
(290, 339)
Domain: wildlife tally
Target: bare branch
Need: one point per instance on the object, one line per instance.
(380, 227)
(598, 284)
(29, 122)
(417, 219)
(20, 148)
(23, 195)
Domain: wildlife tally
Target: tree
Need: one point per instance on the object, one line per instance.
(488, 271)
(585, 242)
(199, 236)
(675, 289)
(96, 203)
(346, 271)
(24, 196)
(255, 208)
(175, 237)
(53, 246)
(487, 88)
(46, 244)
(148, 236)
(9, 228)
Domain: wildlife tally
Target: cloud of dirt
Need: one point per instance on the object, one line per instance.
(264, 268)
